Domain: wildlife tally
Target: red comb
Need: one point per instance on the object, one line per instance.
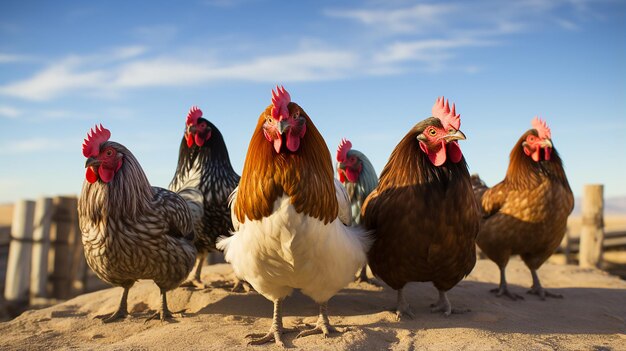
(342, 151)
(91, 145)
(448, 116)
(280, 100)
(542, 128)
(194, 113)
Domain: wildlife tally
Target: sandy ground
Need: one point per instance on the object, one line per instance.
(590, 317)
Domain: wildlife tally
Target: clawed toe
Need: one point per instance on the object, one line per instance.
(194, 283)
(403, 313)
(318, 329)
(542, 293)
(116, 316)
(505, 292)
(165, 316)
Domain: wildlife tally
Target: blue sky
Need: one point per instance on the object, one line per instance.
(365, 70)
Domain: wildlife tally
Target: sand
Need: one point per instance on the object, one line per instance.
(590, 317)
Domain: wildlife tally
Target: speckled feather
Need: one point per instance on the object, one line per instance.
(425, 218)
(207, 169)
(133, 231)
(527, 212)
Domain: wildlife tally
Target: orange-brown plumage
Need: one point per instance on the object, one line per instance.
(526, 214)
(267, 175)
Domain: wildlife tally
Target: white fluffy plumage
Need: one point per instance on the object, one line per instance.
(288, 250)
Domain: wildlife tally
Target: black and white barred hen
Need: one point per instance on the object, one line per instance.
(205, 178)
(131, 230)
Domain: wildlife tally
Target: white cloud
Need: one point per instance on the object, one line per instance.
(412, 19)
(9, 112)
(21, 146)
(53, 81)
(431, 50)
(12, 58)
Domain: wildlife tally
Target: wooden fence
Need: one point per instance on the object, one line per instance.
(45, 257)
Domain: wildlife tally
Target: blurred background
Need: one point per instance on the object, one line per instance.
(365, 70)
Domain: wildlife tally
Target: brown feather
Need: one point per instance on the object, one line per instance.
(306, 175)
(527, 212)
(425, 218)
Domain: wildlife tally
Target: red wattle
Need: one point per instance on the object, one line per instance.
(353, 176)
(438, 157)
(199, 140)
(91, 176)
(293, 142)
(454, 151)
(105, 174)
(342, 177)
(547, 153)
(189, 138)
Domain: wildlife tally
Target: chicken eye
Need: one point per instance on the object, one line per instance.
(109, 153)
(432, 132)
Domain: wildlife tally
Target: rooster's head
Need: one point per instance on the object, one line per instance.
(198, 129)
(103, 158)
(537, 139)
(439, 138)
(349, 164)
(285, 124)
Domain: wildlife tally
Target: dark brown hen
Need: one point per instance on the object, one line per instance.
(526, 214)
(131, 230)
(423, 212)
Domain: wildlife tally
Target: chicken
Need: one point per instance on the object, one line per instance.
(423, 212)
(204, 168)
(292, 218)
(357, 175)
(131, 230)
(526, 214)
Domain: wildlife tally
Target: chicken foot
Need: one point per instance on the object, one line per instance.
(538, 290)
(120, 313)
(196, 281)
(322, 326)
(163, 313)
(443, 305)
(403, 309)
(362, 278)
(503, 289)
(276, 330)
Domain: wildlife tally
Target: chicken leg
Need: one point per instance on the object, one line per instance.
(403, 309)
(503, 289)
(322, 326)
(538, 290)
(276, 330)
(197, 272)
(443, 305)
(164, 313)
(122, 310)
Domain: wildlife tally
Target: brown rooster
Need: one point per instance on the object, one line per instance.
(292, 218)
(131, 230)
(423, 212)
(526, 214)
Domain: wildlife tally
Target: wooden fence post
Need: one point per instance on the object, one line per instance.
(592, 229)
(41, 246)
(60, 258)
(20, 253)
